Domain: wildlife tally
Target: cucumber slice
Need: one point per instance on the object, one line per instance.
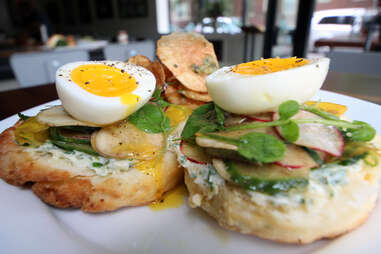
(314, 155)
(269, 179)
(56, 134)
(78, 147)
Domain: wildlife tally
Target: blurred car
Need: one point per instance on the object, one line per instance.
(342, 23)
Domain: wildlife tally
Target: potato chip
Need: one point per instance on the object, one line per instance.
(142, 61)
(155, 67)
(158, 71)
(189, 56)
(205, 97)
(173, 96)
(168, 74)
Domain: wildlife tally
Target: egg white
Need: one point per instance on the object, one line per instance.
(249, 94)
(101, 110)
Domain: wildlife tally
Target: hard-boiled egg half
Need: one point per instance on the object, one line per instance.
(103, 92)
(262, 85)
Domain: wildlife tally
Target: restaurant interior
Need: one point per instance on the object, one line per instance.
(39, 36)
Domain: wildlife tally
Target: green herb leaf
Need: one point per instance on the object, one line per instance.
(151, 119)
(290, 131)
(363, 133)
(288, 109)
(97, 164)
(220, 114)
(203, 120)
(23, 117)
(261, 147)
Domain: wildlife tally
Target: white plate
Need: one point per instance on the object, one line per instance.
(30, 226)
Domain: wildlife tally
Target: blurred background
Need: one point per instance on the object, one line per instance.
(38, 36)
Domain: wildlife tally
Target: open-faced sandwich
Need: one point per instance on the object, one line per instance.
(105, 147)
(263, 160)
(110, 143)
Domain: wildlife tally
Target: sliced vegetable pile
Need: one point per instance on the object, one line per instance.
(275, 152)
(143, 135)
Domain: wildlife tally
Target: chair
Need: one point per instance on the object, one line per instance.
(121, 52)
(368, 63)
(33, 69)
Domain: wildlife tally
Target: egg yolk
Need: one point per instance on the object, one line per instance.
(104, 80)
(177, 114)
(265, 66)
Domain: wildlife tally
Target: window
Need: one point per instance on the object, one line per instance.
(329, 20)
(217, 16)
(349, 20)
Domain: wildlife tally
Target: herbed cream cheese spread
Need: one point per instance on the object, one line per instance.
(89, 164)
(325, 183)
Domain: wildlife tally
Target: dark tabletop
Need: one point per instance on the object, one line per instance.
(14, 101)
(360, 86)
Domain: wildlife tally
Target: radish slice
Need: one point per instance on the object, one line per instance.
(319, 137)
(194, 153)
(264, 117)
(295, 158)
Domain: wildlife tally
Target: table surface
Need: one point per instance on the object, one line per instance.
(360, 86)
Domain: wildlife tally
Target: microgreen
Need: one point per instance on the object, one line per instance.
(355, 131)
(288, 109)
(261, 147)
(204, 119)
(151, 119)
(290, 131)
(364, 132)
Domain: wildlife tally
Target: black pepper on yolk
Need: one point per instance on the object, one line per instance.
(269, 65)
(103, 80)
(107, 81)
